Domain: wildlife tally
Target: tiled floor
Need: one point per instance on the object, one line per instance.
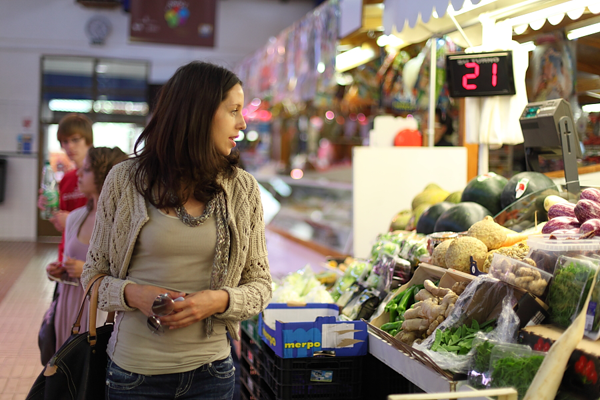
(22, 307)
(25, 296)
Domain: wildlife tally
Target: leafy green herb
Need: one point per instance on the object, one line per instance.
(565, 292)
(516, 372)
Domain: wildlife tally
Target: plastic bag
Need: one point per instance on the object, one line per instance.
(354, 272)
(362, 306)
(380, 277)
(295, 286)
(484, 299)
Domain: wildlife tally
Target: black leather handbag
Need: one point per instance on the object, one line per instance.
(77, 371)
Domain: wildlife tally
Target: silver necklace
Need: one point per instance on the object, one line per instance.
(191, 221)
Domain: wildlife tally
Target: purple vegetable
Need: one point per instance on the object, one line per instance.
(560, 223)
(590, 194)
(591, 225)
(587, 209)
(562, 210)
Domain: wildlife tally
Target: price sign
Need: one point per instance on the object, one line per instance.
(480, 74)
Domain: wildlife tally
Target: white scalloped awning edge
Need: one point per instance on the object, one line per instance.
(554, 15)
(399, 13)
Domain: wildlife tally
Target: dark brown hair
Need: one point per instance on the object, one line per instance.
(102, 159)
(178, 157)
(72, 124)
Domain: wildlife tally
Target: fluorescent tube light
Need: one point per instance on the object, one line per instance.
(585, 31)
(353, 58)
(591, 108)
(529, 46)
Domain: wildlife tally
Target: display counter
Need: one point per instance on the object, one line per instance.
(314, 213)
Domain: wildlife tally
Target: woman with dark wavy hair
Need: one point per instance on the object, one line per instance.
(78, 231)
(180, 233)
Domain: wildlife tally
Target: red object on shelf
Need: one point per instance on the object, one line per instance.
(408, 137)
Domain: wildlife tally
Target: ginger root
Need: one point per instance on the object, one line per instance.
(408, 337)
(434, 290)
(412, 312)
(430, 309)
(415, 324)
(423, 294)
(436, 322)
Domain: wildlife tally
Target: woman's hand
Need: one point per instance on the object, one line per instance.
(196, 307)
(41, 200)
(142, 296)
(73, 267)
(55, 269)
(59, 220)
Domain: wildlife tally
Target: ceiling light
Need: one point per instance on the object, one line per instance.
(585, 31)
(591, 108)
(353, 58)
(68, 105)
(529, 46)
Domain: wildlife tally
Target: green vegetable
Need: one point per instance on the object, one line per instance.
(482, 356)
(392, 325)
(564, 296)
(458, 340)
(516, 372)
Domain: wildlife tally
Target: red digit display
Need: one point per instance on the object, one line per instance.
(480, 74)
(466, 77)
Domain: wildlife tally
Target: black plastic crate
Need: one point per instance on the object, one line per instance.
(314, 377)
(245, 394)
(251, 352)
(250, 379)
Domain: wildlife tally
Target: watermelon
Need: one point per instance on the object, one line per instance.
(429, 217)
(486, 190)
(460, 217)
(523, 184)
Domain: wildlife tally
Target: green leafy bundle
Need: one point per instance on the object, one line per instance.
(459, 340)
(516, 372)
(479, 375)
(566, 290)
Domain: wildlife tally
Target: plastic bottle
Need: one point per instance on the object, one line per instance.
(50, 190)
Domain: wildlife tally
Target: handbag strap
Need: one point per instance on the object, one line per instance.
(92, 287)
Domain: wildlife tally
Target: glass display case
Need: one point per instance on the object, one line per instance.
(316, 212)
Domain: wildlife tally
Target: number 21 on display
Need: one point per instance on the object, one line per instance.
(475, 74)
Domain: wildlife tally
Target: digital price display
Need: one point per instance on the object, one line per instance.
(480, 74)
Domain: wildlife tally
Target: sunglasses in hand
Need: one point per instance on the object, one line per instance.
(162, 306)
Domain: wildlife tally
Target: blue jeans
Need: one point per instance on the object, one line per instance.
(212, 381)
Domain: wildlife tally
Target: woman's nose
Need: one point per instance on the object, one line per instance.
(242, 125)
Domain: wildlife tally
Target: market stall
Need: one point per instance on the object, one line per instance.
(459, 281)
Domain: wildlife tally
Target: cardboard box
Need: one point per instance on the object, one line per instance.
(297, 331)
(447, 278)
(579, 377)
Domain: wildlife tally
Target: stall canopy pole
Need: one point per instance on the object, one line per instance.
(432, 79)
(462, 33)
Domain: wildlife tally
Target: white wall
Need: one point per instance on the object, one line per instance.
(386, 179)
(32, 28)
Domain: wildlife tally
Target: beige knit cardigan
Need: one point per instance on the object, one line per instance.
(122, 213)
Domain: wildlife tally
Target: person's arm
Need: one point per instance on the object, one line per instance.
(111, 295)
(254, 291)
